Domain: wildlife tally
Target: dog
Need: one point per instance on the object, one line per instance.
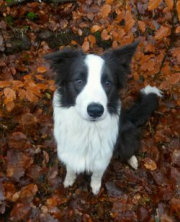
(89, 121)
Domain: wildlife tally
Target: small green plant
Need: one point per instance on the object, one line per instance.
(9, 20)
(9, 1)
(31, 15)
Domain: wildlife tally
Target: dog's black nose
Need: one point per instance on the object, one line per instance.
(95, 110)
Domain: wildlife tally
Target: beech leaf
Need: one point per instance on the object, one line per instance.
(150, 164)
(153, 4)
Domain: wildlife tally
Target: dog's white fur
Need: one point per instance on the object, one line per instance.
(84, 145)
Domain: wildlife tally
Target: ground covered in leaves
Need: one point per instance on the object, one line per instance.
(30, 175)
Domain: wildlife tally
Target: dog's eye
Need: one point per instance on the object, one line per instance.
(79, 82)
(107, 84)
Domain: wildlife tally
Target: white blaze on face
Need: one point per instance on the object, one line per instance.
(93, 91)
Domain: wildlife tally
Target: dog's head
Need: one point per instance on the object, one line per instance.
(90, 82)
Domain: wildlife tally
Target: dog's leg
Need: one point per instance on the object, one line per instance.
(70, 177)
(133, 162)
(96, 181)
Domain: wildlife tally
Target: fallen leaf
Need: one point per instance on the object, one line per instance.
(150, 164)
(170, 4)
(162, 32)
(41, 69)
(175, 206)
(142, 26)
(175, 78)
(153, 4)
(17, 163)
(105, 10)
(20, 211)
(104, 35)
(9, 94)
(95, 28)
(85, 46)
(18, 141)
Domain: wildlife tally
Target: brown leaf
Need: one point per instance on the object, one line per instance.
(150, 164)
(169, 3)
(28, 192)
(162, 32)
(129, 21)
(105, 10)
(9, 94)
(175, 78)
(92, 39)
(142, 26)
(10, 106)
(95, 28)
(17, 163)
(105, 35)
(153, 4)
(41, 69)
(85, 46)
(20, 211)
(4, 84)
(31, 97)
(28, 120)
(10, 190)
(18, 141)
(175, 206)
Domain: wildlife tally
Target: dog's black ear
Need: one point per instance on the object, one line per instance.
(119, 61)
(61, 62)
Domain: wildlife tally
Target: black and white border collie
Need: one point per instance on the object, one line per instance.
(89, 122)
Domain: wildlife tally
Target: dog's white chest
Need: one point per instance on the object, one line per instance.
(84, 145)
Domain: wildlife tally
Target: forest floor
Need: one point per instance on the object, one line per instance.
(31, 176)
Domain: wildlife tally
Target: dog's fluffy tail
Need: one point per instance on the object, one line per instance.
(146, 104)
(132, 119)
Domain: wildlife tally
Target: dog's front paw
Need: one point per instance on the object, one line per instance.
(133, 162)
(95, 185)
(69, 180)
(68, 183)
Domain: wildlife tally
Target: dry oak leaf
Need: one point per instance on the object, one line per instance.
(153, 4)
(169, 3)
(41, 69)
(150, 164)
(162, 32)
(105, 10)
(18, 141)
